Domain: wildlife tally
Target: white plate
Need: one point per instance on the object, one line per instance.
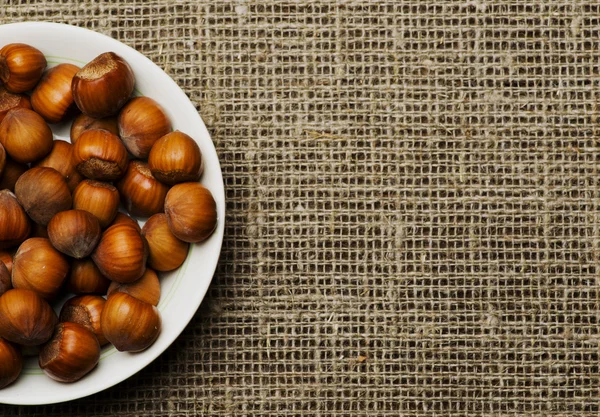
(183, 289)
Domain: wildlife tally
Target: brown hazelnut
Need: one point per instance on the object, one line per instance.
(191, 211)
(11, 363)
(142, 122)
(72, 353)
(74, 232)
(141, 193)
(25, 317)
(11, 173)
(99, 198)
(129, 324)
(165, 251)
(146, 289)
(176, 158)
(39, 267)
(7, 258)
(43, 192)
(100, 155)
(121, 254)
(52, 98)
(14, 223)
(86, 278)
(103, 85)
(122, 218)
(85, 310)
(25, 135)
(21, 67)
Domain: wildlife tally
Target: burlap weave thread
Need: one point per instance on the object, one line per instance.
(413, 206)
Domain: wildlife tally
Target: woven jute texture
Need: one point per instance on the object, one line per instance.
(413, 206)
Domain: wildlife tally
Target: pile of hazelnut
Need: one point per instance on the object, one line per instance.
(60, 228)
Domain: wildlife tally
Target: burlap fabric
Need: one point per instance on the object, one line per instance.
(413, 206)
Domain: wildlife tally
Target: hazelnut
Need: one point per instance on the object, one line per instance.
(25, 317)
(52, 98)
(72, 353)
(191, 212)
(11, 363)
(146, 289)
(122, 218)
(86, 278)
(74, 232)
(129, 324)
(99, 198)
(142, 122)
(176, 158)
(165, 251)
(25, 135)
(14, 223)
(7, 258)
(103, 85)
(141, 193)
(43, 192)
(11, 173)
(121, 254)
(21, 67)
(39, 267)
(100, 155)
(85, 310)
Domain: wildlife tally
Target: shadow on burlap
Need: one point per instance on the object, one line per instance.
(413, 206)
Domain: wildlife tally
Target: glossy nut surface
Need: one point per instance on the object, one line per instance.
(39, 267)
(121, 254)
(142, 121)
(191, 212)
(103, 85)
(72, 353)
(21, 67)
(52, 98)
(98, 198)
(85, 278)
(11, 363)
(122, 218)
(100, 155)
(25, 135)
(43, 192)
(74, 232)
(14, 223)
(146, 289)
(141, 193)
(165, 251)
(85, 310)
(26, 318)
(129, 324)
(176, 158)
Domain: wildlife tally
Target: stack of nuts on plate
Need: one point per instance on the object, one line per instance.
(60, 228)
